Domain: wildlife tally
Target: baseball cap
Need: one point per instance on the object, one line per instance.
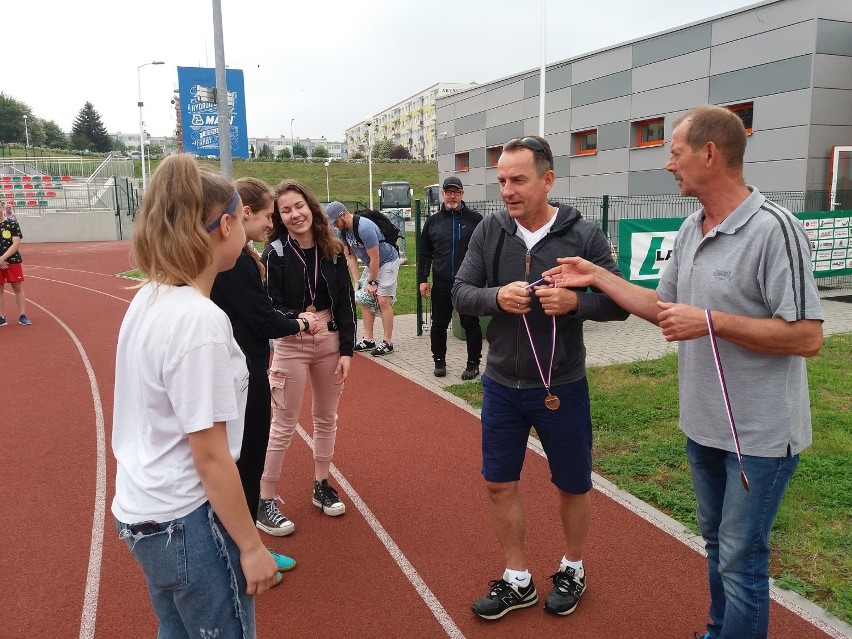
(452, 183)
(333, 211)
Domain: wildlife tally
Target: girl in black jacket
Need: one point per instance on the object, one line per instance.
(240, 293)
(306, 271)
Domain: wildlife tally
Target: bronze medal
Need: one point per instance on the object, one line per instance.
(311, 309)
(551, 401)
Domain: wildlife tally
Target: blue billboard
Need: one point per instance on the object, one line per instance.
(200, 115)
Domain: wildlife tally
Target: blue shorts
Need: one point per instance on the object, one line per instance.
(565, 433)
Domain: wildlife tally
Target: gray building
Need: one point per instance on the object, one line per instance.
(785, 66)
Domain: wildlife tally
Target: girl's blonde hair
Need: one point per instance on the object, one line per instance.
(171, 244)
(255, 194)
(330, 246)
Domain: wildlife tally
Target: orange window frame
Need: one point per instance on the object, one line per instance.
(744, 106)
(641, 127)
(582, 141)
(463, 161)
(494, 154)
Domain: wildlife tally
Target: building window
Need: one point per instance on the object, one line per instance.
(649, 132)
(462, 161)
(746, 113)
(587, 142)
(493, 154)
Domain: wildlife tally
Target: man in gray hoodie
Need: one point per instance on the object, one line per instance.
(535, 373)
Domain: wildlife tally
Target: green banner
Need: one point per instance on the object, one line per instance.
(644, 246)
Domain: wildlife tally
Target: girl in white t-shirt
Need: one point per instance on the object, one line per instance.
(180, 393)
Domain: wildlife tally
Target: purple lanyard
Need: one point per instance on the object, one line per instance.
(718, 360)
(311, 291)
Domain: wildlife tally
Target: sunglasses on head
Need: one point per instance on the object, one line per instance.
(536, 147)
(228, 211)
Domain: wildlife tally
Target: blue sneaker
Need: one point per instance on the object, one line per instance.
(283, 562)
(3, 321)
(23, 320)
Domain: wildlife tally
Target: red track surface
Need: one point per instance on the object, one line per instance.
(412, 458)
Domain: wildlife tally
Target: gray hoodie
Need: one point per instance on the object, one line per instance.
(498, 255)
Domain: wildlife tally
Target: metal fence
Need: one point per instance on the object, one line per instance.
(79, 167)
(607, 210)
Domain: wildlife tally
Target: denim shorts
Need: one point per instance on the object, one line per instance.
(192, 567)
(565, 433)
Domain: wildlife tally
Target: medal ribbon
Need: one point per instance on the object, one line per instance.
(311, 291)
(546, 382)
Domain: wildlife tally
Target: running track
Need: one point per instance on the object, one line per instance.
(413, 550)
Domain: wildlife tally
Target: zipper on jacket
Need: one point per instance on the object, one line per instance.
(527, 261)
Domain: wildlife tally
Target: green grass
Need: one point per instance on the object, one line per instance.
(348, 181)
(639, 447)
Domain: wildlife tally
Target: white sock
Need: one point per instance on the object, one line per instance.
(519, 578)
(576, 565)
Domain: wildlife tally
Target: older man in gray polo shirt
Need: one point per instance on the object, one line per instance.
(747, 260)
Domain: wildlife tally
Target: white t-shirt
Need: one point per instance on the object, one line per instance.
(178, 370)
(531, 238)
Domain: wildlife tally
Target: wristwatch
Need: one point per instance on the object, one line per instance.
(305, 324)
(372, 282)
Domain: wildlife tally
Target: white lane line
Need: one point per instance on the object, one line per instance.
(93, 574)
(399, 557)
(85, 288)
(73, 270)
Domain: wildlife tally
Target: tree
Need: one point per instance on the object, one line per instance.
(320, 152)
(88, 132)
(399, 153)
(12, 114)
(284, 154)
(358, 155)
(265, 152)
(382, 148)
(55, 137)
(299, 150)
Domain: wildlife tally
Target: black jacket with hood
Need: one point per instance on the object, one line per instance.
(286, 283)
(443, 243)
(497, 256)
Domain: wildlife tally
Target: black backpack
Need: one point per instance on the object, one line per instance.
(381, 220)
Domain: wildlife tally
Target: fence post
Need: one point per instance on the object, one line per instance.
(605, 215)
(416, 285)
(117, 206)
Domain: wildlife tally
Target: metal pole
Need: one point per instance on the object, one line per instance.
(141, 126)
(417, 245)
(292, 140)
(225, 163)
(370, 162)
(541, 74)
(327, 190)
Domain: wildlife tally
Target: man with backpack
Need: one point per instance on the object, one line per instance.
(374, 244)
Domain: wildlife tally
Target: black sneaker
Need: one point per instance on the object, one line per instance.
(503, 598)
(271, 520)
(365, 345)
(382, 349)
(326, 499)
(471, 371)
(440, 367)
(566, 593)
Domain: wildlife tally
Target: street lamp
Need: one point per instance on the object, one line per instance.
(292, 140)
(141, 123)
(27, 134)
(327, 190)
(369, 122)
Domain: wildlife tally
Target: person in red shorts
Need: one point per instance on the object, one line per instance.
(11, 270)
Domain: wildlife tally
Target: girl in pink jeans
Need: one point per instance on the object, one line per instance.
(306, 271)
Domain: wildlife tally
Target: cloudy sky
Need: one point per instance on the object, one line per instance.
(324, 63)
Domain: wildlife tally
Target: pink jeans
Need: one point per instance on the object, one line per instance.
(295, 358)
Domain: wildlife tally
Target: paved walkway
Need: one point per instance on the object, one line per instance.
(606, 343)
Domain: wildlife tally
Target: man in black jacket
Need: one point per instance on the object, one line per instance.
(536, 369)
(443, 244)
